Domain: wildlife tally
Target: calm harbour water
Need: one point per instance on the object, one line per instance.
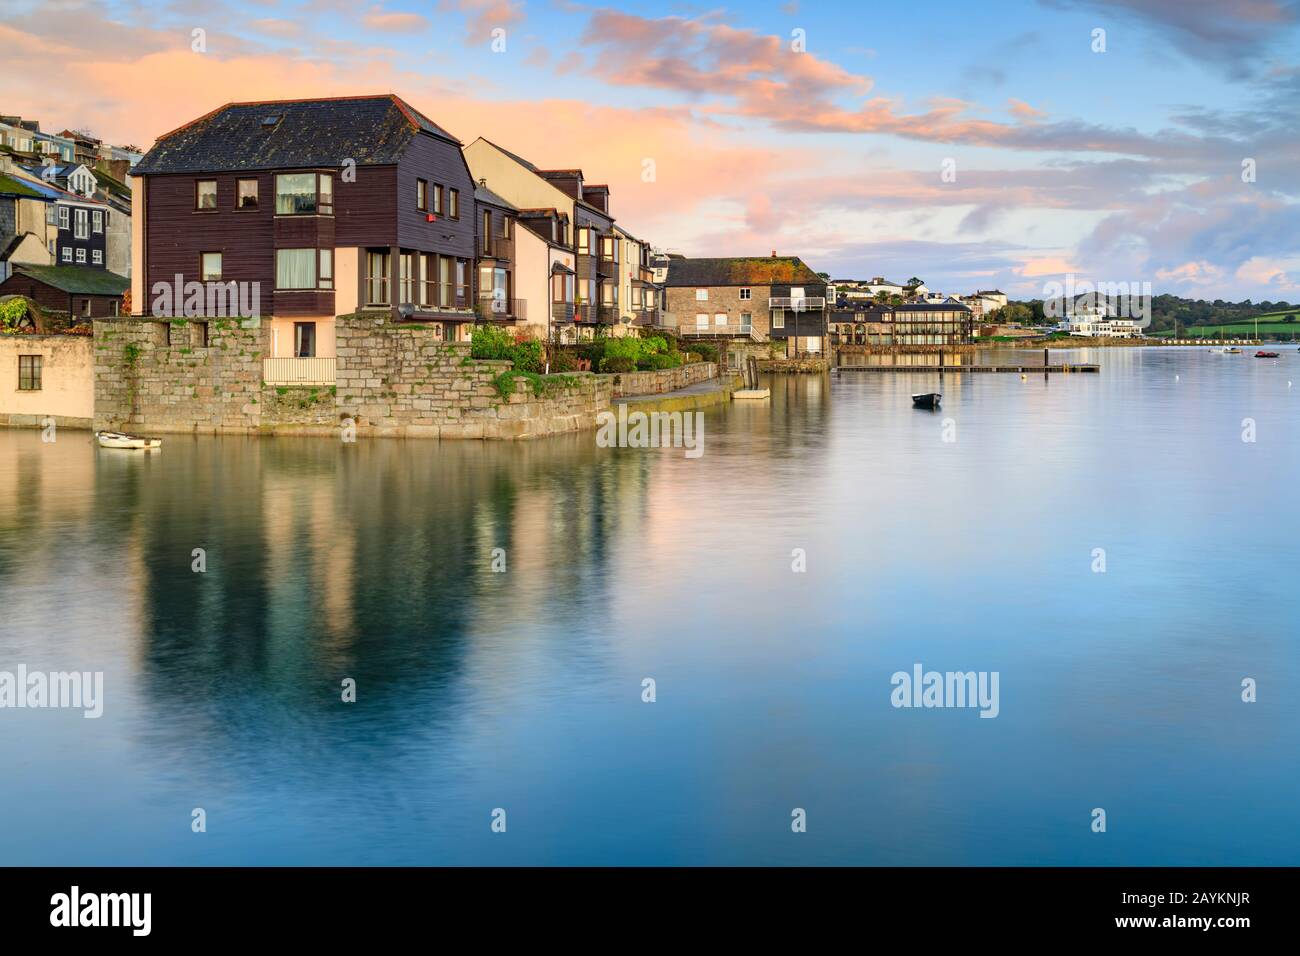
(522, 690)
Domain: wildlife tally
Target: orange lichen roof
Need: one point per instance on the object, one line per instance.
(756, 270)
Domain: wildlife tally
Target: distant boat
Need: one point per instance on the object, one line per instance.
(928, 400)
(1263, 354)
(123, 440)
(1226, 351)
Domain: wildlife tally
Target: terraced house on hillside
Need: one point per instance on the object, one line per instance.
(773, 298)
(575, 271)
(326, 206)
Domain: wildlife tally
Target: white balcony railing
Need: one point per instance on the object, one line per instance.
(802, 304)
(298, 371)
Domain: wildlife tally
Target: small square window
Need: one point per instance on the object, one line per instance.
(67, 254)
(246, 194)
(746, 293)
(210, 266)
(205, 194)
(81, 256)
(29, 373)
(701, 295)
(97, 256)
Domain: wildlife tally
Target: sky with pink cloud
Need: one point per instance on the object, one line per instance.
(974, 145)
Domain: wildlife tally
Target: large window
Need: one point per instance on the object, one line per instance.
(98, 221)
(584, 240)
(377, 278)
(63, 217)
(295, 268)
(304, 194)
(82, 228)
(246, 197)
(405, 273)
(453, 203)
(422, 195)
(462, 283)
(444, 282)
(205, 194)
(210, 267)
(29, 373)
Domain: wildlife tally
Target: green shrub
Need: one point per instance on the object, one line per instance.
(12, 312)
(706, 351)
(528, 356)
(657, 362)
(564, 361)
(628, 348)
(617, 363)
(490, 342)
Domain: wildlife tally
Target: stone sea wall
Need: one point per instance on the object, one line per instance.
(397, 380)
(663, 380)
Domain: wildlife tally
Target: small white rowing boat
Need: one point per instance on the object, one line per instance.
(123, 440)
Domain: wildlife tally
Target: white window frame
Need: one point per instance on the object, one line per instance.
(701, 295)
(81, 257)
(81, 224)
(701, 320)
(64, 216)
(97, 221)
(719, 318)
(97, 256)
(778, 318)
(746, 293)
(66, 255)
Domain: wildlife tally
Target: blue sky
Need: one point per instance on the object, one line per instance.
(1117, 165)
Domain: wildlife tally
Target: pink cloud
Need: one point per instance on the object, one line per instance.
(378, 19)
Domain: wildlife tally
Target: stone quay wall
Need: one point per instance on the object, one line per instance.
(179, 376)
(663, 380)
(397, 380)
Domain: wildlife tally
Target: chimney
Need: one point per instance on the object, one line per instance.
(483, 182)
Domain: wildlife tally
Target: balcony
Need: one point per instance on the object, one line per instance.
(596, 314)
(585, 264)
(562, 312)
(809, 303)
(494, 309)
(298, 371)
(496, 247)
(732, 330)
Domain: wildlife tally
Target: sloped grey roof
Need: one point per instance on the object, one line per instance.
(289, 134)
